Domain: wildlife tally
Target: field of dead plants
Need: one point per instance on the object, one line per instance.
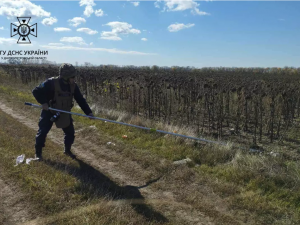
(134, 180)
(262, 103)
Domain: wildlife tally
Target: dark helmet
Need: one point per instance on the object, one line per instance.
(67, 70)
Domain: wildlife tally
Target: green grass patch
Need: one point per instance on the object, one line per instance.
(271, 196)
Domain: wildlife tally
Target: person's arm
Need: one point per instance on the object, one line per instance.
(82, 102)
(40, 93)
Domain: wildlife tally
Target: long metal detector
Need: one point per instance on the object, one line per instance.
(131, 125)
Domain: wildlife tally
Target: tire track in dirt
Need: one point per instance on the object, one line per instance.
(111, 164)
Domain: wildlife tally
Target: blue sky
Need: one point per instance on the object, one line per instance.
(186, 33)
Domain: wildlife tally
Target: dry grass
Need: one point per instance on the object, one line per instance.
(259, 189)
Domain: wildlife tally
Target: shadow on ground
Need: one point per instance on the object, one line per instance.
(94, 184)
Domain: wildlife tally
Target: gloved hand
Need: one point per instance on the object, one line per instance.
(45, 106)
(92, 115)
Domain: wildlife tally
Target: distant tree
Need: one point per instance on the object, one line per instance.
(14, 61)
(87, 64)
(154, 67)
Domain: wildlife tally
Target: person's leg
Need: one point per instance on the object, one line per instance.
(69, 139)
(45, 125)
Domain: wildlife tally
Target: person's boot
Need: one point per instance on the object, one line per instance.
(38, 153)
(69, 153)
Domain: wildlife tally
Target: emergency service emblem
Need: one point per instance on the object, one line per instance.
(23, 30)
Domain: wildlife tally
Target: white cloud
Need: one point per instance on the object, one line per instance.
(173, 5)
(112, 50)
(176, 5)
(61, 29)
(144, 39)
(87, 31)
(89, 7)
(88, 11)
(87, 2)
(91, 43)
(76, 21)
(118, 28)
(107, 35)
(198, 12)
(112, 38)
(135, 3)
(12, 9)
(99, 12)
(1, 28)
(179, 26)
(78, 40)
(49, 21)
(56, 44)
(156, 4)
(9, 41)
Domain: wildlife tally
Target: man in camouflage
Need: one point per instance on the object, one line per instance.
(58, 92)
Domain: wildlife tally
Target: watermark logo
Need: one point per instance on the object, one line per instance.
(23, 30)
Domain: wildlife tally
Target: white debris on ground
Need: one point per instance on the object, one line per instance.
(20, 159)
(110, 143)
(183, 161)
(31, 159)
(274, 154)
(79, 130)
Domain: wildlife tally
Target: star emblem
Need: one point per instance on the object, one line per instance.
(23, 30)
